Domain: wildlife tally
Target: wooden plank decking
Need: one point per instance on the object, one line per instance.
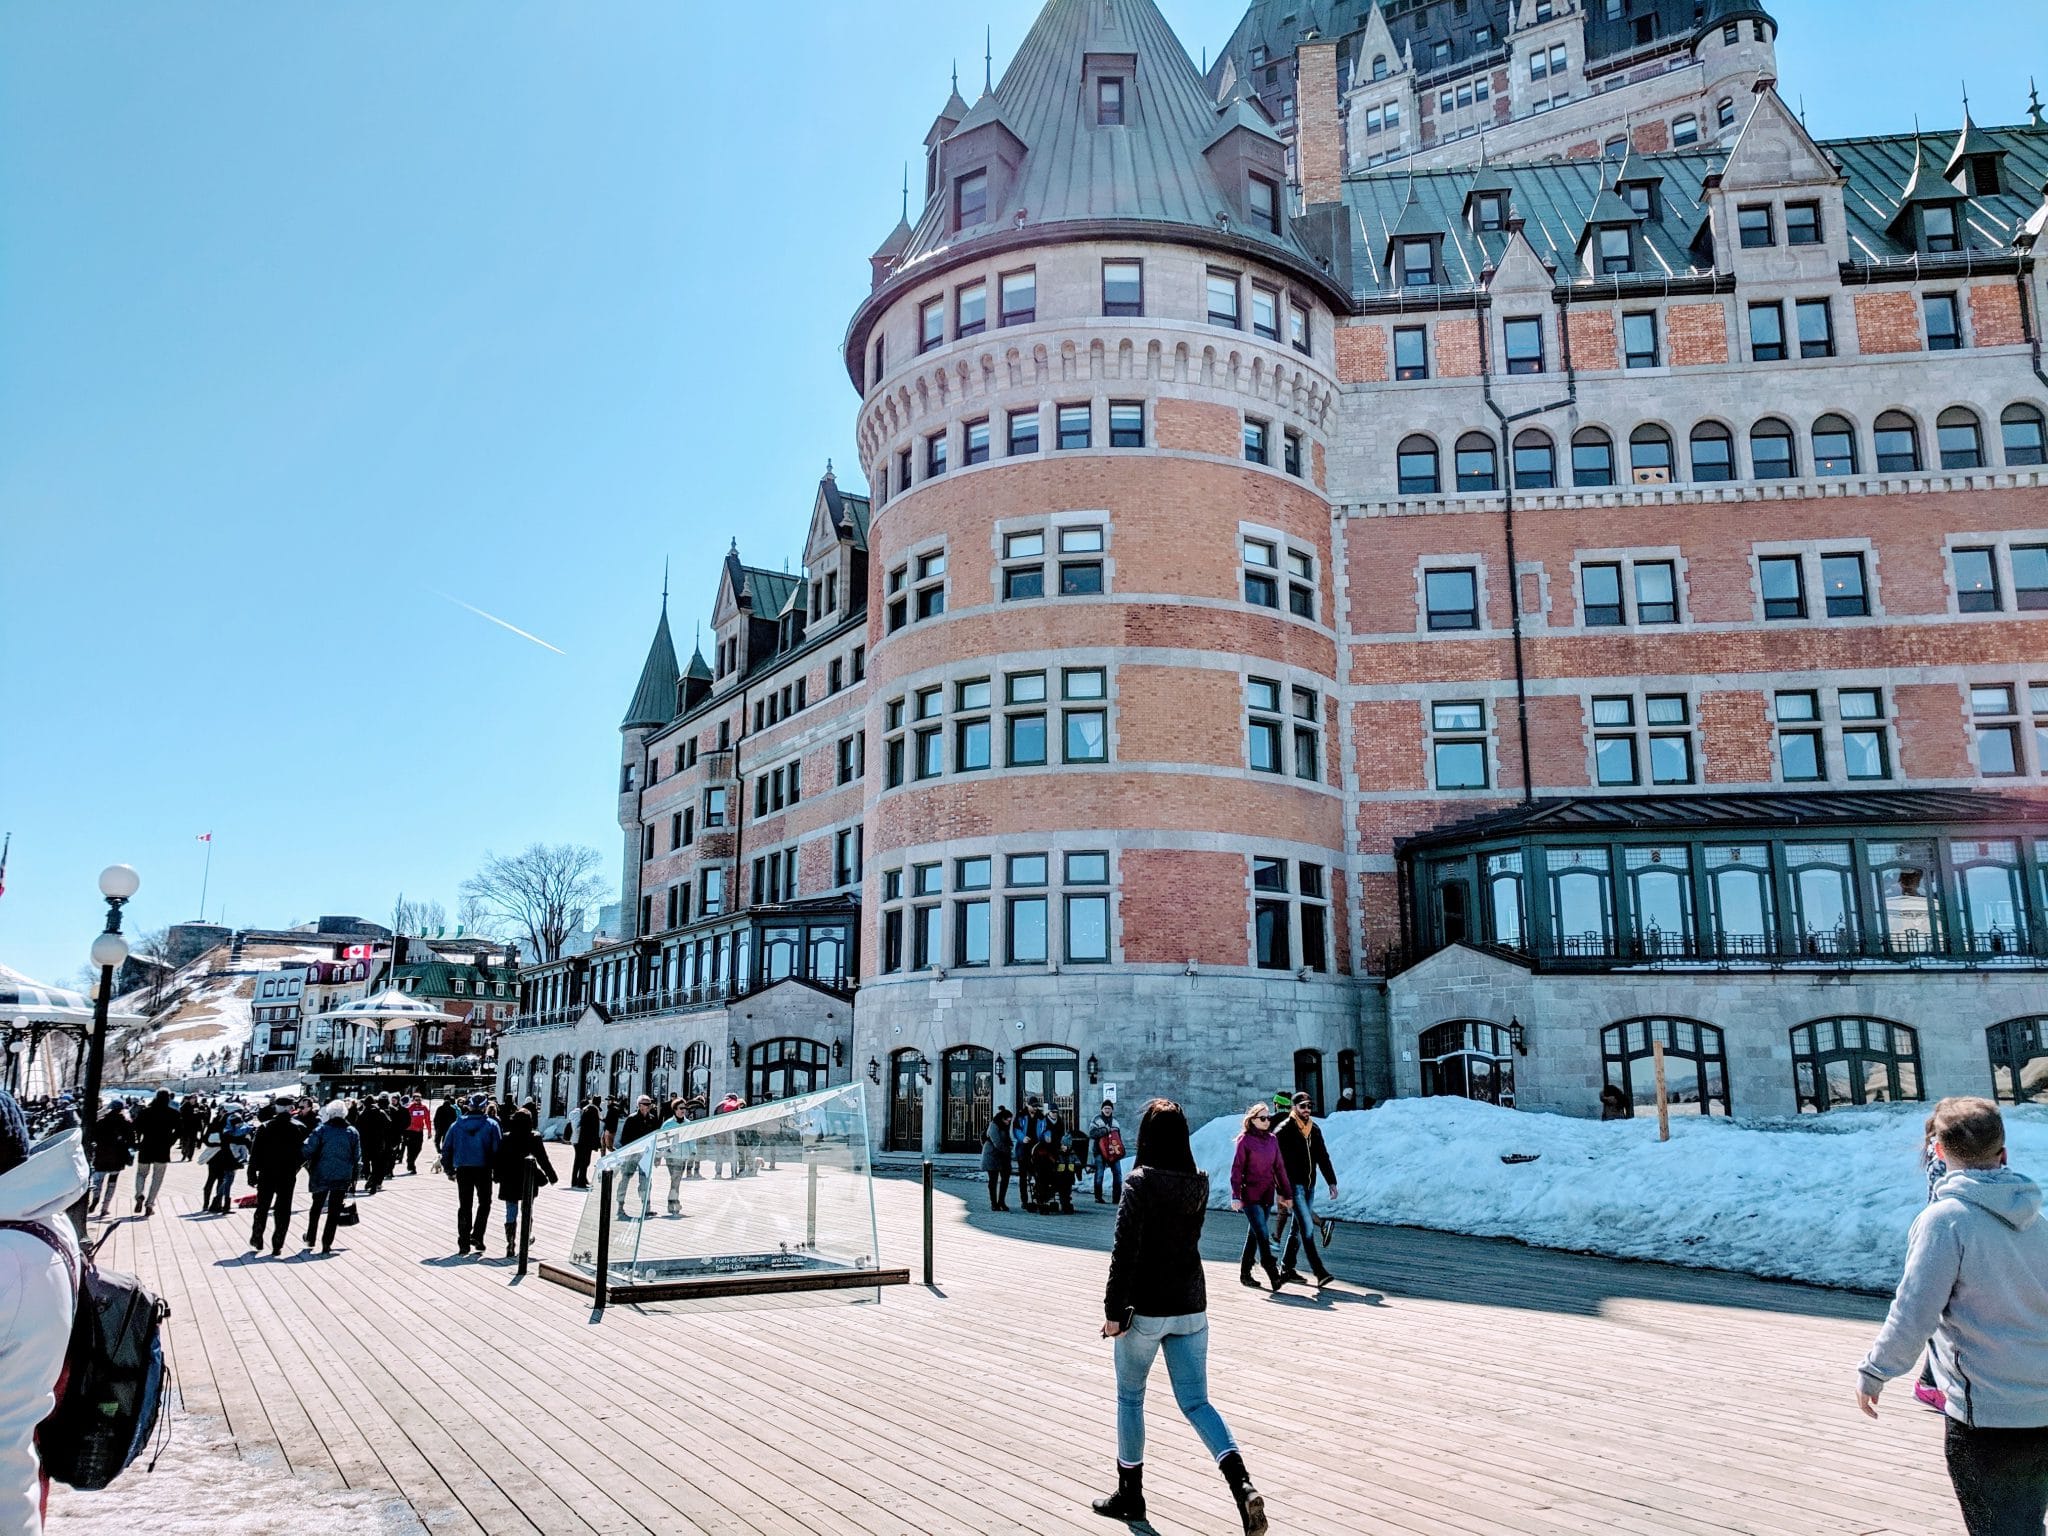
(1448, 1385)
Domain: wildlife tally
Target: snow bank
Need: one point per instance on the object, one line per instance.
(1826, 1198)
(203, 1485)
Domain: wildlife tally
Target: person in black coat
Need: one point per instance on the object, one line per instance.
(588, 1127)
(191, 1126)
(113, 1144)
(274, 1170)
(375, 1128)
(519, 1171)
(1154, 1301)
(1303, 1151)
(156, 1132)
(445, 1115)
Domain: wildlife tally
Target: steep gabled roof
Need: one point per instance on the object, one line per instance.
(770, 590)
(654, 700)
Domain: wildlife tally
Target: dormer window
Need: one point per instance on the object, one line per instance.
(1617, 252)
(1263, 198)
(1490, 211)
(1259, 56)
(1641, 196)
(1977, 176)
(1417, 263)
(1109, 101)
(970, 199)
(1938, 231)
(1379, 66)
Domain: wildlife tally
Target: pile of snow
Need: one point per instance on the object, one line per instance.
(1826, 1198)
(204, 1484)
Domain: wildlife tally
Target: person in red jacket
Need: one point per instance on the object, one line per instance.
(419, 1120)
(1258, 1176)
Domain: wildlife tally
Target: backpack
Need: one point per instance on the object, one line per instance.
(112, 1384)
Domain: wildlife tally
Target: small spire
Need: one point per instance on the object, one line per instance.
(956, 77)
(664, 583)
(906, 191)
(988, 59)
(2034, 113)
(735, 545)
(828, 469)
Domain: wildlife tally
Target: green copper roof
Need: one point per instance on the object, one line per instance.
(654, 701)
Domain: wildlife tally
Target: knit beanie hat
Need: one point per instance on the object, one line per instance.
(14, 1142)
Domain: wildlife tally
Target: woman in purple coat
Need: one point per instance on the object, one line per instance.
(1258, 1175)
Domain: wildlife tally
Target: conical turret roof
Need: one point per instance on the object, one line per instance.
(654, 701)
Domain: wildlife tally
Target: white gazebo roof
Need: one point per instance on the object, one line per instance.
(389, 1009)
(26, 1001)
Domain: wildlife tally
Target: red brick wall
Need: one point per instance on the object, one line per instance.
(1888, 322)
(1180, 715)
(1319, 143)
(1995, 315)
(1194, 426)
(1557, 743)
(1178, 904)
(1591, 333)
(1932, 740)
(1457, 349)
(1652, 138)
(1361, 353)
(1698, 334)
(1387, 742)
(1735, 738)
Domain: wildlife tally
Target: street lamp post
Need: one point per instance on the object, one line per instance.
(117, 883)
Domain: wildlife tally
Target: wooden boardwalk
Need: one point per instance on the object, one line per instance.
(1447, 1385)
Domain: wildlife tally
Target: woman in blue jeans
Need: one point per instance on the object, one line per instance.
(1155, 1301)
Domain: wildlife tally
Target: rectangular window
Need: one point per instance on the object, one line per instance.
(1617, 249)
(1263, 198)
(1019, 296)
(1307, 734)
(1222, 289)
(1865, 750)
(1411, 352)
(1024, 940)
(1264, 724)
(1998, 735)
(1524, 345)
(1754, 227)
(1265, 312)
(931, 753)
(1123, 287)
(903, 469)
(931, 324)
(1290, 453)
(710, 892)
(1784, 586)
(1109, 101)
(1656, 592)
(1976, 572)
(1767, 333)
(1126, 424)
(1944, 322)
(1614, 756)
(1080, 577)
(1600, 596)
(1670, 750)
(2030, 577)
(1452, 599)
(1816, 328)
(1074, 426)
(935, 455)
(1458, 744)
(1023, 432)
(1800, 757)
(970, 309)
(1802, 223)
(1639, 339)
(1297, 327)
(1418, 263)
(975, 435)
(925, 936)
(848, 759)
(1842, 580)
(714, 806)
(1261, 582)
(1087, 925)
(1255, 441)
(970, 199)
(1028, 580)
(1938, 228)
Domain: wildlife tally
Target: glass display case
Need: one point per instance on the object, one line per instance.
(771, 1202)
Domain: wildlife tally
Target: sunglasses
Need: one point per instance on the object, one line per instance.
(1262, 1119)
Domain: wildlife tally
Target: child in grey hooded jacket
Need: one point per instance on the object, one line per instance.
(1976, 1282)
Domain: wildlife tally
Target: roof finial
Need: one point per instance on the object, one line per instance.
(735, 545)
(664, 584)
(2034, 114)
(828, 469)
(988, 59)
(906, 191)
(1966, 98)
(956, 77)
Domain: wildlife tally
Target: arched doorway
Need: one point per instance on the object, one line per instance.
(1308, 1079)
(780, 1069)
(515, 1081)
(906, 1101)
(1468, 1059)
(2019, 1060)
(697, 1073)
(1854, 1061)
(624, 1068)
(968, 1095)
(1051, 1073)
(1695, 1064)
(559, 1098)
(661, 1074)
(538, 1086)
(590, 1076)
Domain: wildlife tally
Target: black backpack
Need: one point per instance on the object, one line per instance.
(112, 1385)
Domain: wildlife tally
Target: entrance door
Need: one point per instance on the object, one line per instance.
(1308, 1079)
(969, 1098)
(1052, 1074)
(906, 1102)
(780, 1069)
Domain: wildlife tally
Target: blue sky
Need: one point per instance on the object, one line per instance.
(315, 316)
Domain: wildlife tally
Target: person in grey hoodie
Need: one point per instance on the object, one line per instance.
(1976, 1282)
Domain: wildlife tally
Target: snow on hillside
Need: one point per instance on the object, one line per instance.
(1825, 1199)
(210, 1003)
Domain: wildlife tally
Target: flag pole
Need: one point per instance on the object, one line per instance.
(205, 877)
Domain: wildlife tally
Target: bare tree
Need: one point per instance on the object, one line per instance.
(417, 917)
(539, 895)
(476, 919)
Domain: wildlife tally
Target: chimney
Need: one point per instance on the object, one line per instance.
(1318, 136)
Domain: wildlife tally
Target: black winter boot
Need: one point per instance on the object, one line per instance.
(511, 1240)
(1251, 1508)
(1128, 1502)
(1274, 1277)
(1244, 1275)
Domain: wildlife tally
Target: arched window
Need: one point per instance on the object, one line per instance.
(1695, 1064)
(1467, 1059)
(1724, 112)
(781, 951)
(2026, 439)
(697, 1073)
(1308, 1079)
(1834, 446)
(590, 1075)
(1592, 457)
(1581, 901)
(1772, 455)
(1685, 130)
(661, 1075)
(623, 1066)
(1824, 911)
(1379, 66)
(1418, 467)
(1713, 452)
(1960, 438)
(560, 1099)
(1478, 466)
(968, 1081)
(1660, 898)
(1897, 439)
(1854, 1061)
(1347, 1075)
(537, 1086)
(1994, 905)
(1649, 455)
(1739, 898)
(780, 1069)
(1535, 461)
(515, 1081)
(1052, 1074)
(2019, 1060)
(828, 956)
(906, 1101)
(1904, 880)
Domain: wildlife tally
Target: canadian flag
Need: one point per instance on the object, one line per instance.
(204, 837)
(355, 952)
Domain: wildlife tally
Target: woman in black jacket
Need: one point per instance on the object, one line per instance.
(1156, 1300)
(521, 1168)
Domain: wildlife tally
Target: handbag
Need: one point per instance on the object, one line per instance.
(1113, 1146)
(349, 1215)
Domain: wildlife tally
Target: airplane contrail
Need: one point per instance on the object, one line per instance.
(522, 634)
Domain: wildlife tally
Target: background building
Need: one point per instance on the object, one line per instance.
(1448, 630)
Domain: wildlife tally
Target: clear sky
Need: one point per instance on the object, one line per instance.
(316, 316)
